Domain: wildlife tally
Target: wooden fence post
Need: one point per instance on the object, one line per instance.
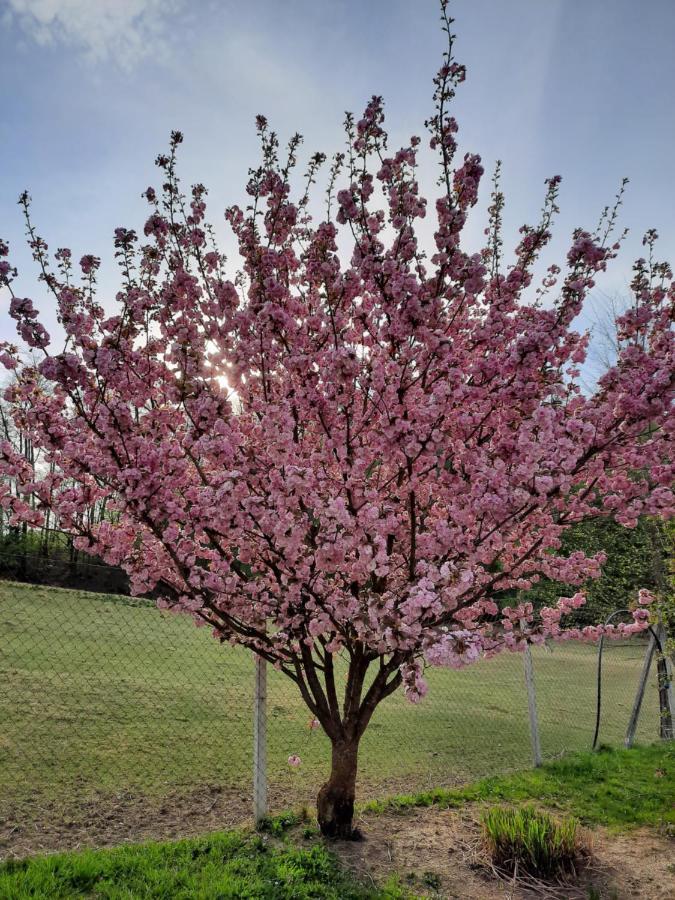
(532, 707)
(260, 740)
(639, 696)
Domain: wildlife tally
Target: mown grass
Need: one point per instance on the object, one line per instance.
(618, 788)
(104, 693)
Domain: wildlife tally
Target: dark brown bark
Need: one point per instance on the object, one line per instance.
(335, 803)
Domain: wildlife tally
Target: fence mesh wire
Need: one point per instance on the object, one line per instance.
(118, 721)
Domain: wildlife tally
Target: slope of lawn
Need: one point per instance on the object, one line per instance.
(617, 788)
(108, 694)
(614, 788)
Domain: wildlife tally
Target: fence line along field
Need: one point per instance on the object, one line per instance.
(104, 696)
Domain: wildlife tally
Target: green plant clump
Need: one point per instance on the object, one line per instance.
(529, 842)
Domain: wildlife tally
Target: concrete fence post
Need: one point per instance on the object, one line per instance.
(532, 707)
(260, 740)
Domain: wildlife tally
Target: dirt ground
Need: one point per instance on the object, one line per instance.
(107, 821)
(438, 854)
(40, 825)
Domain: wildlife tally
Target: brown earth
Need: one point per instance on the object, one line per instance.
(438, 853)
(107, 821)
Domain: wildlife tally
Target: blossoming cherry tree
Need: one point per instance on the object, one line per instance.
(343, 460)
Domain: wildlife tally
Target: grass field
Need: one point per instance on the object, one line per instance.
(108, 695)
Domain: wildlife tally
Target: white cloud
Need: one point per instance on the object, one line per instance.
(122, 31)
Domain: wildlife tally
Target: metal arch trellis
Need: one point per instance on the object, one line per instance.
(598, 706)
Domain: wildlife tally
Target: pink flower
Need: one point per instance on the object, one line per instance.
(89, 263)
(294, 760)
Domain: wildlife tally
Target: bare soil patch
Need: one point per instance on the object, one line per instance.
(39, 824)
(438, 854)
(110, 820)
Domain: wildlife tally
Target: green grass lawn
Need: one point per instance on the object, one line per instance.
(615, 788)
(621, 789)
(231, 865)
(108, 694)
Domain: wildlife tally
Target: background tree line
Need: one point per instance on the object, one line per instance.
(47, 555)
(639, 557)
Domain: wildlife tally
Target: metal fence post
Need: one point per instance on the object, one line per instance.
(260, 740)
(532, 707)
(665, 680)
(639, 696)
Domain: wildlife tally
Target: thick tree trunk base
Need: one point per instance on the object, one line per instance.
(335, 813)
(335, 803)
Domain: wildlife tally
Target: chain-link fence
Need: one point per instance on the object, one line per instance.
(119, 722)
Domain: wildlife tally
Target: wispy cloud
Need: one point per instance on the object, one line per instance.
(119, 31)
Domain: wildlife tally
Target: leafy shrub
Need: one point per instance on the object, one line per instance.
(531, 842)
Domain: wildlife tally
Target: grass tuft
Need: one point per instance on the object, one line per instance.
(526, 841)
(278, 825)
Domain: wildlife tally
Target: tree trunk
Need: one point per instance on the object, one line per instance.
(335, 803)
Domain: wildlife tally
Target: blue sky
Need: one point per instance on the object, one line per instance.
(92, 88)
